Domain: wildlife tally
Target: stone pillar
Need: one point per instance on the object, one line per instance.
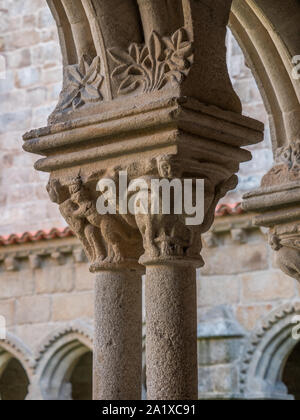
(163, 109)
(171, 338)
(118, 335)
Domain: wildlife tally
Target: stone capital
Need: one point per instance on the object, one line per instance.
(277, 206)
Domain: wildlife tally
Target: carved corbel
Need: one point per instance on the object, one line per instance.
(11, 263)
(34, 261)
(58, 257)
(277, 203)
(238, 235)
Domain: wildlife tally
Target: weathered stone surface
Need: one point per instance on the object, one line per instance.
(67, 307)
(267, 286)
(118, 335)
(84, 280)
(7, 310)
(249, 315)
(31, 308)
(213, 291)
(16, 284)
(234, 260)
(217, 382)
(55, 279)
(171, 315)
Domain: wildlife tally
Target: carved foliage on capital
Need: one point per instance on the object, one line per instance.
(153, 65)
(82, 84)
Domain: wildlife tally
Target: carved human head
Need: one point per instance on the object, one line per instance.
(56, 191)
(168, 166)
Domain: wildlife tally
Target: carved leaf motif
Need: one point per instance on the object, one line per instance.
(82, 84)
(152, 66)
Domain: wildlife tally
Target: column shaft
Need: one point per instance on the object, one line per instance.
(171, 340)
(118, 336)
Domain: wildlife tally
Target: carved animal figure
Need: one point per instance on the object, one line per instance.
(165, 235)
(88, 234)
(114, 230)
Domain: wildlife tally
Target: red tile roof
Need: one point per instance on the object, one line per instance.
(35, 236)
(17, 239)
(229, 210)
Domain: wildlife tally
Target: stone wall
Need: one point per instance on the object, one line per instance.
(240, 272)
(29, 45)
(28, 94)
(44, 292)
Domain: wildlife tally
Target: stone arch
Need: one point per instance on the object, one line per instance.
(12, 347)
(269, 43)
(56, 359)
(265, 355)
(13, 353)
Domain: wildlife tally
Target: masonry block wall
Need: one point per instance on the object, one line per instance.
(28, 94)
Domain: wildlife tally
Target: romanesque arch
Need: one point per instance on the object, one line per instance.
(16, 368)
(56, 360)
(268, 33)
(266, 353)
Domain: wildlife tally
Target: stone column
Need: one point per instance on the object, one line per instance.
(163, 109)
(118, 335)
(171, 338)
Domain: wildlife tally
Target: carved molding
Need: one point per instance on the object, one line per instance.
(257, 379)
(60, 350)
(82, 85)
(81, 330)
(17, 349)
